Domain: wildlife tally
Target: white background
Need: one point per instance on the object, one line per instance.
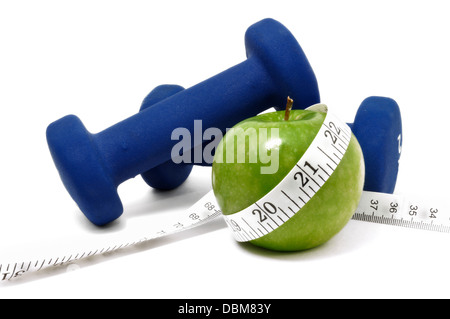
(98, 60)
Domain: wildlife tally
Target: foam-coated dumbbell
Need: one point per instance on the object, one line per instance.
(378, 129)
(92, 166)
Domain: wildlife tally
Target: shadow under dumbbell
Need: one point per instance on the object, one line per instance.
(156, 201)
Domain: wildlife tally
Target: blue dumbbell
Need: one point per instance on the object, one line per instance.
(377, 127)
(92, 166)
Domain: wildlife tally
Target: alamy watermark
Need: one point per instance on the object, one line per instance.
(249, 145)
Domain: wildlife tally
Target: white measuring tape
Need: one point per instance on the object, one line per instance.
(203, 211)
(274, 209)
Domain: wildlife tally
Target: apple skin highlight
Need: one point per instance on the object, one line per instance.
(238, 185)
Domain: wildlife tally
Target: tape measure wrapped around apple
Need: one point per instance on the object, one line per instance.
(288, 180)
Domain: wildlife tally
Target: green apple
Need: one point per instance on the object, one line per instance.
(238, 184)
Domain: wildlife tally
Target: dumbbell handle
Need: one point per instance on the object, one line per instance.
(149, 132)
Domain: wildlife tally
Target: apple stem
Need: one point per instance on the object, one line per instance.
(290, 103)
